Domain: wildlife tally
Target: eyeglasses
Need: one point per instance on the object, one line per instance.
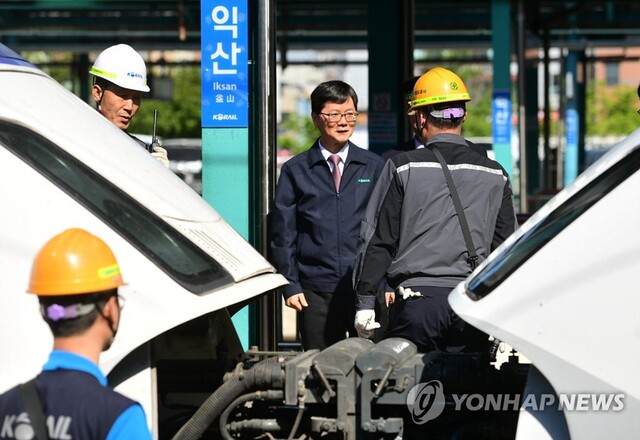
(335, 117)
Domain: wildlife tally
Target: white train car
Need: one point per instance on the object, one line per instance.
(63, 165)
(563, 291)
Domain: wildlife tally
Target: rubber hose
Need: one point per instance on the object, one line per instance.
(296, 424)
(222, 397)
(256, 395)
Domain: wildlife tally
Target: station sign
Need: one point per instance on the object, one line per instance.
(225, 66)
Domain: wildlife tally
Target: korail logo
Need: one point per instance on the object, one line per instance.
(426, 401)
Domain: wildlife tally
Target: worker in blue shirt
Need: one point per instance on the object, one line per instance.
(76, 278)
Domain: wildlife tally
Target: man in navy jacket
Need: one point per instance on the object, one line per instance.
(320, 202)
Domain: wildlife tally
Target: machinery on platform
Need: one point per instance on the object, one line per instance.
(359, 390)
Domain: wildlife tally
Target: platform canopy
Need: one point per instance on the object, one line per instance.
(82, 25)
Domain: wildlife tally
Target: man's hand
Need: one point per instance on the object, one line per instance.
(161, 154)
(389, 298)
(365, 323)
(297, 301)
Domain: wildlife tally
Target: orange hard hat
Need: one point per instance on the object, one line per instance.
(74, 262)
(437, 86)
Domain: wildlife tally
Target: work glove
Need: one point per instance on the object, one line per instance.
(365, 323)
(408, 293)
(161, 154)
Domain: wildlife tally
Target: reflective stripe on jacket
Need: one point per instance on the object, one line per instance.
(411, 230)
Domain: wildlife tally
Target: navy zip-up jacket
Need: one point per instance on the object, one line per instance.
(314, 229)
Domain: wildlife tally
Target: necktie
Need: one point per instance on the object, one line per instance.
(336, 170)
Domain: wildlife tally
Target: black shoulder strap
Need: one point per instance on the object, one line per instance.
(472, 259)
(34, 409)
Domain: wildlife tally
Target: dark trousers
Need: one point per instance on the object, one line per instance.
(429, 322)
(327, 320)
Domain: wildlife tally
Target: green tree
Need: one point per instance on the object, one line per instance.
(58, 65)
(611, 110)
(479, 112)
(297, 133)
(178, 117)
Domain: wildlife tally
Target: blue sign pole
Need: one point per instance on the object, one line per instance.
(225, 133)
(501, 111)
(572, 121)
(571, 147)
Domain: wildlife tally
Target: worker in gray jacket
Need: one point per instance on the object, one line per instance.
(412, 233)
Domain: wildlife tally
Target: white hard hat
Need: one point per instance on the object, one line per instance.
(123, 66)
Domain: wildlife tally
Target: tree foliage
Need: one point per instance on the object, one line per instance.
(611, 110)
(478, 123)
(297, 133)
(178, 117)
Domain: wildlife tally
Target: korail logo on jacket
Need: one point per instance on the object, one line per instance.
(19, 427)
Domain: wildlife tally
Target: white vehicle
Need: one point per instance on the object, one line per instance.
(64, 165)
(563, 291)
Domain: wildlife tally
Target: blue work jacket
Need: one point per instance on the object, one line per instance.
(76, 404)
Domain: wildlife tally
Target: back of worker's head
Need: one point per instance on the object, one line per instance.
(332, 91)
(121, 65)
(441, 96)
(74, 275)
(74, 314)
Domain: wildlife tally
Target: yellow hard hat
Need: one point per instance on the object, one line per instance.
(437, 86)
(74, 262)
